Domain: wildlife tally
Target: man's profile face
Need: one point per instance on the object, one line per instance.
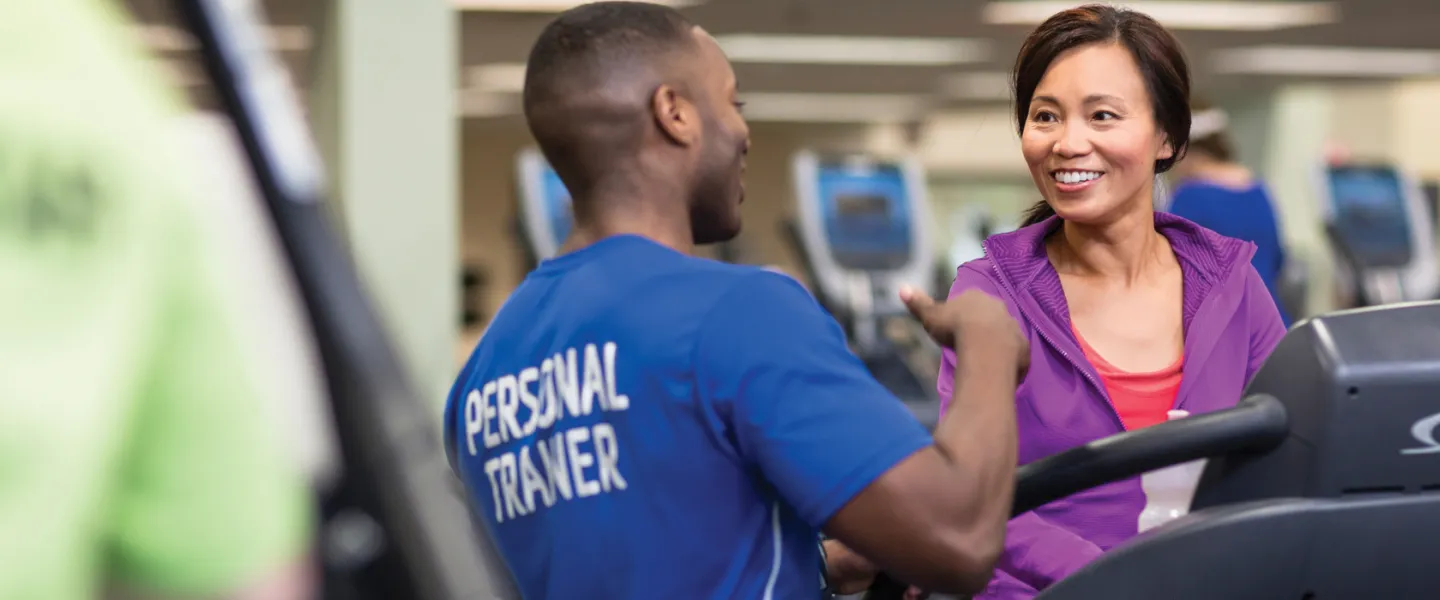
(719, 186)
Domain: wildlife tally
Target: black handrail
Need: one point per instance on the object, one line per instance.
(1257, 424)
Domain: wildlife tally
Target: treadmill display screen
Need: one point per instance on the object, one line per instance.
(866, 214)
(860, 206)
(1371, 214)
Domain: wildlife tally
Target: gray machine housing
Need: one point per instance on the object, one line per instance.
(1347, 507)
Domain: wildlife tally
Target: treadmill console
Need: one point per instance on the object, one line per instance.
(1346, 507)
(866, 213)
(1370, 214)
(861, 218)
(1362, 391)
(544, 204)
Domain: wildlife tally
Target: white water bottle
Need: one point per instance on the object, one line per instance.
(1168, 491)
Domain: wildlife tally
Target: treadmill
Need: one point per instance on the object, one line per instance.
(1382, 233)
(861, 232)
(1322, 484)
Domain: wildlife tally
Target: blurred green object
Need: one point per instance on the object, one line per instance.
(134, 450)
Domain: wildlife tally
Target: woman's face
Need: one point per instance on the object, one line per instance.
(1090, 136)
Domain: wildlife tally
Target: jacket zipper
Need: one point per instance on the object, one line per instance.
(985, 250)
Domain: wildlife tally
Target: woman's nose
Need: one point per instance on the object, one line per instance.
(1073, 141)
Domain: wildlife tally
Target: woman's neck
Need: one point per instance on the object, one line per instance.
(1123, 251)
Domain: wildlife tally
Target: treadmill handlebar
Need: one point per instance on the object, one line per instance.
(1258, 423)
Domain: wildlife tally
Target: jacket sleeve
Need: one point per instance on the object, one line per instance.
(1005, 586)
(968, 277)
(1037, 552)
(1266, 326)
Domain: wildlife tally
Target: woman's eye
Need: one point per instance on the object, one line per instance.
(1105, 115)
(1044, 117)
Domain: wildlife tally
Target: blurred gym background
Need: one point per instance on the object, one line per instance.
(415, 107)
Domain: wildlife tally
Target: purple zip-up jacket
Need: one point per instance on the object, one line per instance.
(1231, 325)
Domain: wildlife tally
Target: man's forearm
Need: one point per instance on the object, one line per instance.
(978, 432)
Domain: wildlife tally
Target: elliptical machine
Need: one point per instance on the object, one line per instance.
(1382, 233)
(1323, 484)
(861, 231)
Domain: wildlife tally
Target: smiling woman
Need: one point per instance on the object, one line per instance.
(1130, 314)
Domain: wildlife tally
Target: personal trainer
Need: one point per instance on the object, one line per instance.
(638, 422)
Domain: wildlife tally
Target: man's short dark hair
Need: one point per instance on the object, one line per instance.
(589, 72)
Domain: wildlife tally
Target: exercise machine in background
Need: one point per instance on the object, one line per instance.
(396, 524)
(861, 230)
(544, 217)
(1382, 232)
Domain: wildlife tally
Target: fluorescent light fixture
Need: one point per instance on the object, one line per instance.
(1327, 61)
(834, 108)
(496, 77)
(471, 103)
(979, 85)
(545, 6)
(759, 106)
(821, 49)
(1223, 15)
(282, 38)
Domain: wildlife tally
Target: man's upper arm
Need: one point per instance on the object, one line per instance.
(802, 407)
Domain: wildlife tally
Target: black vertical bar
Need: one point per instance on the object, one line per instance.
(396, 527)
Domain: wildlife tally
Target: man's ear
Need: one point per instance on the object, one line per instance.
(676, 116)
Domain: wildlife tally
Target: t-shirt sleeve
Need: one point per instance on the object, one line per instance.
(206, 501)
(799, 404)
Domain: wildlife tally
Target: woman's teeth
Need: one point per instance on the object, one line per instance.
(1076, 176)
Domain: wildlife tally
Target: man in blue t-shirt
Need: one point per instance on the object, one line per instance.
(641, 423)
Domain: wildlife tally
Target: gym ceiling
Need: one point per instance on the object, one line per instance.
(868, 56)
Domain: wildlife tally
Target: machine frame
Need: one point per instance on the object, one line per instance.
(1420, 278)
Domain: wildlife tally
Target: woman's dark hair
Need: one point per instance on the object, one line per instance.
(1156, 52)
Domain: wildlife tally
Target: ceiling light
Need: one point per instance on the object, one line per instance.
(496, 77)
(979, 85)
(834, 108)
(1232, 15)
(471, 103)
(546, 6)
(819, 49)
(164, 38)
(1327, 61)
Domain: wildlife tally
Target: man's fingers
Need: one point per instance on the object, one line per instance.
(919, 303)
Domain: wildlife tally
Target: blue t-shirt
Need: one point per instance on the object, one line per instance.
(1246, 214)
(639, 423)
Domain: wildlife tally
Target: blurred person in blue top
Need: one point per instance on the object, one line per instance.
(638, 422)
(1220, 194)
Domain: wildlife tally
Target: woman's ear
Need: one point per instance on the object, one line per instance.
(1166, 151)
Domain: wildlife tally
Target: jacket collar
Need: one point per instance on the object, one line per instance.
(1210, 263)
(1207, 257)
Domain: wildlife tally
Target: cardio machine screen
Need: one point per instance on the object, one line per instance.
(1371, 214)
(866, 211)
